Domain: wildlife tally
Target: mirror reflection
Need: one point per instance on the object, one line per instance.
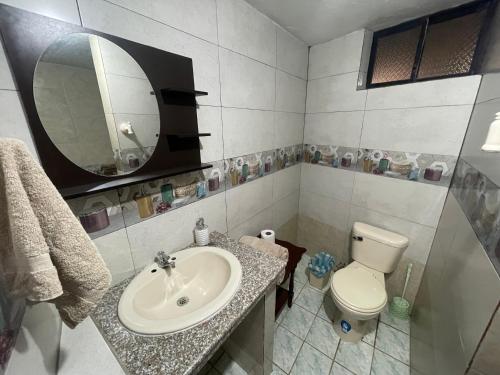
(95, 103)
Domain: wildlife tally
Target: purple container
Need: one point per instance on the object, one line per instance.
(346, 162)
(213, 183)
(433, 174)
(267, 167)
(95, 220)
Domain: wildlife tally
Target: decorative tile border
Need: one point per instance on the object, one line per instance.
(133, 204)
(424, 168)
(479, 198)
(246, 168)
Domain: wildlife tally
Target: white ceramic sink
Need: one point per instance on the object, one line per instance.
(159, 301)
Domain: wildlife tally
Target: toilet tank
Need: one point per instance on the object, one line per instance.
(377, 248)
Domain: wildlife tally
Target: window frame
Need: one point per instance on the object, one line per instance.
(424, 23)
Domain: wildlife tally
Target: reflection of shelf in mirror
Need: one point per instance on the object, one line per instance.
(186, 97)
(127, 180)
(189, 135)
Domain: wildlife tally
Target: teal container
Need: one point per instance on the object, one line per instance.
(167, 193)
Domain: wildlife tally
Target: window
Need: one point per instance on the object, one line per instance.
(438, 46)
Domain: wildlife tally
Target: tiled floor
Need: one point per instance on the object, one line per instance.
(305, 342)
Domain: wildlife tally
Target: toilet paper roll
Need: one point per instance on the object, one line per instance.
(268, 235)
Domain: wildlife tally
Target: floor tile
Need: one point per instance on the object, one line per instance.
(282, 314)
(206, 369)
(393, 342)
(277, 371)
(216, 356)
(286, 348)
(371, 330)
(323, 337)
(300, 276)
(227, 366)
(327, 309)
(387, 318)
(213, 372)
(297, 289)
(357, 357)
(340, 370)
(386, 365)
(311, 361)
(310, 299)
(298, 321)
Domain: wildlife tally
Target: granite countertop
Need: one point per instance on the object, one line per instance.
(187, 352)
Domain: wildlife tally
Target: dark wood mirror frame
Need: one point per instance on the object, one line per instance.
(27, 35)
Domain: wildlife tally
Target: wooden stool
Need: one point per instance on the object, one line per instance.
(294, 256)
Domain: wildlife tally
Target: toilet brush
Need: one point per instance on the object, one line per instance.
(399, 307)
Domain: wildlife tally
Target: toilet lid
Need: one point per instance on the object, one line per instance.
(359, 289)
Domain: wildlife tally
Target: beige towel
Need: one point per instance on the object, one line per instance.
(45, 254)
(268, 248)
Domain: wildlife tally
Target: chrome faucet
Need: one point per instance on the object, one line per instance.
(164, 261)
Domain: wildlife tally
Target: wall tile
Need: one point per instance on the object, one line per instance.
(174, 230)
(292, 54)
(84, 351)
(288, 129)
(337, 128)
(290, 93)
(420, 203)
(6, 78)
(432, 130)
(13, 122)
(328, 182)
(246, 83)
(452, 91)
(37, 346)
(489, 87)
(115, 250)
(338, 56)
(245, 30)
(253, 225)
(197, 17)
(285, 209)
(146, 129)
(286, 181)
(247, 200)
(210, 121)
(63, 10)
(109, 18)
(329, 211)
(337, 93)
(131, 95)
(247, 131)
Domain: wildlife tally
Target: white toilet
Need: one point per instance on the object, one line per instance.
(358, 290)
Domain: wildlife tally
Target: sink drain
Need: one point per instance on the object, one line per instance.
(182, 301)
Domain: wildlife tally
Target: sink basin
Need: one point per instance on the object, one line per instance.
(159, 301)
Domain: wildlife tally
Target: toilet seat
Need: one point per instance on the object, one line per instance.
(358, 290)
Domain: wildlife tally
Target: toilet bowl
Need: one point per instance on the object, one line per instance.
(358, 290)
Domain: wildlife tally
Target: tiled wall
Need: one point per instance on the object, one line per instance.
(422, 123)
(455, 325)
(255, 74)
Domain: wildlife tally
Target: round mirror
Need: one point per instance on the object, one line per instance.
(95, 103)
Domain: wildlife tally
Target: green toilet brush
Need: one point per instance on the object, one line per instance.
(399, 307)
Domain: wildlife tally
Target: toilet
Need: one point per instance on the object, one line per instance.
(358, 290)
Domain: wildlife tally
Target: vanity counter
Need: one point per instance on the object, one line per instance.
(186, 352)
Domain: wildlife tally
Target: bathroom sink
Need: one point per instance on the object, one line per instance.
(165, 300)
